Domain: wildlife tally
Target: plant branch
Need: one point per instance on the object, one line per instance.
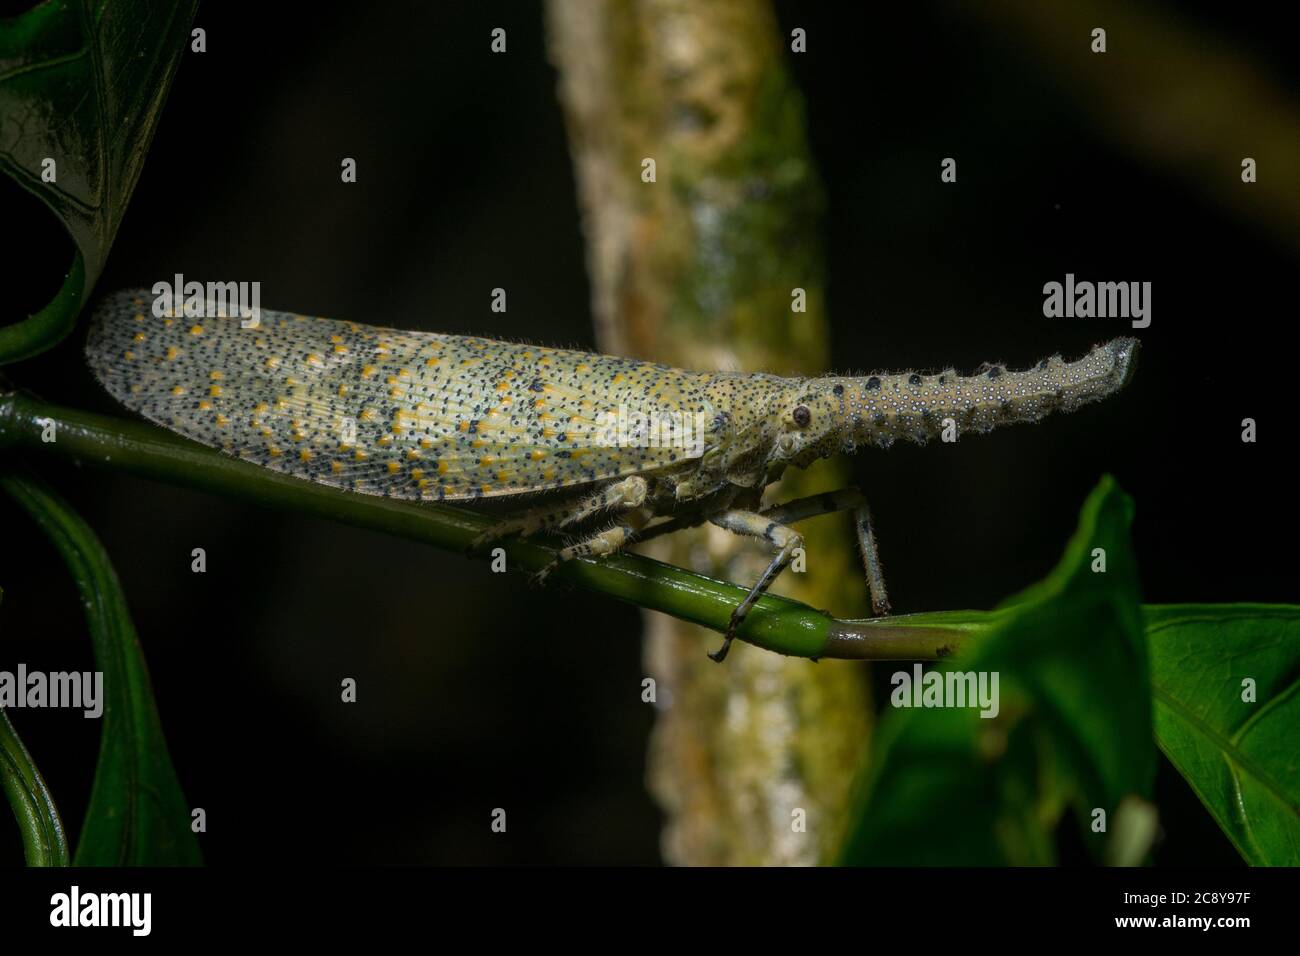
(775, 624)
(41, 331)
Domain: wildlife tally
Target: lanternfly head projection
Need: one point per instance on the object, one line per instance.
(817, 417)
(426, 416)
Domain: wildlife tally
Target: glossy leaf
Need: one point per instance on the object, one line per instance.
(82, 83)
(946, 786)
(1226, 680)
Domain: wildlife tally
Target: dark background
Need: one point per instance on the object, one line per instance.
(478, 692)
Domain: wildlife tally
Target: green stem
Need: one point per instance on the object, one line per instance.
(41, 829)
(775, 623)
(36, 333)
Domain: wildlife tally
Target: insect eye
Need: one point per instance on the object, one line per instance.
(802, 416)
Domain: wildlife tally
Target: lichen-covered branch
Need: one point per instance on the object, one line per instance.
(700, 206)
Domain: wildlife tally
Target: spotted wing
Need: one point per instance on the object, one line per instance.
(404, 414)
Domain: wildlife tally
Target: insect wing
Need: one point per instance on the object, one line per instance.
(412, 415)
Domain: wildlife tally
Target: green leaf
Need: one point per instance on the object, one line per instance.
(83, 82)
(1240, 757)
(44, 843)
(137, 814)
(945, 786)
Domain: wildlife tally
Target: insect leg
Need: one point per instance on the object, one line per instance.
(785, 540)
(609, 541)
(866, 530)
(828, 502)
(850, 499)
(671, 526)
(628, 493)
(689, 515)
